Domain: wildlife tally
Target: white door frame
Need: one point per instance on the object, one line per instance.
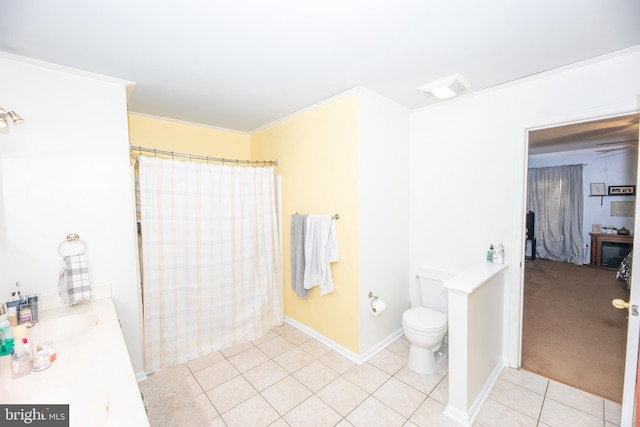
(633, 330)
(633, 335)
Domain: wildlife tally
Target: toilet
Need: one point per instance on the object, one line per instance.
(425, 326)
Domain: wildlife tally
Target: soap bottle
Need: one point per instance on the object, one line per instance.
(6, 337)
(490, 253)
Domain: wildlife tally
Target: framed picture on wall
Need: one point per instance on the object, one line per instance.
(622, 190)
(598, 189)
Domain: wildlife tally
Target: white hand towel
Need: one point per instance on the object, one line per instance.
(320, 249)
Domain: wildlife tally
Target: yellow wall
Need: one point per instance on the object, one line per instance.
(318, 153)
(179, 137)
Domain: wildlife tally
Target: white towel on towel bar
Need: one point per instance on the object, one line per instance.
(320, 249)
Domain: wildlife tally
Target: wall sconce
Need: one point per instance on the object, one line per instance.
(15, 118)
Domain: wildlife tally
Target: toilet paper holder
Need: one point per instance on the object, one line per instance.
(373, 298)
(376, 306)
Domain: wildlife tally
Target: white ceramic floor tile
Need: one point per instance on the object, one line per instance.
(612, 412)
(576, 398)
(431, 413)
(255, 412)
(372, 412)
(205, 361)
(231, 393)
(217, 422)
(266, 337)
(203, 406)
(441, 392)
(342, 395)
(287, 378)
(443, 366)
(286, 394)
(315, 375)
(216, 374)
(265, 375)
(313, 412)
(315, 348)
(495, 414)
(276, 346)
(400, 397)
(337, 362)
(235, 349)
(193, 386)
(367, 377)
(556, 414)
(294, 359)
(400, 346)
(526, 379)
(248, 359)
(388, 361)
(285, 328)
(423, 383)
(296, 336)
(518, 398)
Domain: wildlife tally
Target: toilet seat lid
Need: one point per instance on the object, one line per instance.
(425, 319)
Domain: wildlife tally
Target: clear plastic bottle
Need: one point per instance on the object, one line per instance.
(32, 300)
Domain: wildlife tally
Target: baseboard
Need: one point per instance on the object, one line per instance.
(141, 376)
(358, 359)
(468, 418)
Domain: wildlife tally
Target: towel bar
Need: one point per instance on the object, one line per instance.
(71, 239)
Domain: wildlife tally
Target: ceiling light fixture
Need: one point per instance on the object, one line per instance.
(446, 87)
(15, 118)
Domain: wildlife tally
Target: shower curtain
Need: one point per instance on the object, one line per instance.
(211, 258)
(555, 195)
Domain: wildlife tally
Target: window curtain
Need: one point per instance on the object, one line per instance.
(211, 258)
(555, 195)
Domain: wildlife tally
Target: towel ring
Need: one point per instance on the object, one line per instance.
(72, 239)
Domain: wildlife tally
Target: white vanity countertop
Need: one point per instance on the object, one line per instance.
(92, 372)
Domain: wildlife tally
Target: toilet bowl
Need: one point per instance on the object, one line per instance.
(425, 329)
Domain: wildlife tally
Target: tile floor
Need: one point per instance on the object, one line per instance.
(288, 378)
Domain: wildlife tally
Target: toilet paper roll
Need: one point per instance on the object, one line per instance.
(377, 307)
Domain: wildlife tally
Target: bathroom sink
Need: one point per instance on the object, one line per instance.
(63, 328)
(88, 405)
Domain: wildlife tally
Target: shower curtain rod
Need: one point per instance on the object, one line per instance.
(275, 162)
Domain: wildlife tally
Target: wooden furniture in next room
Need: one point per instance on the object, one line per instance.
(597, 241)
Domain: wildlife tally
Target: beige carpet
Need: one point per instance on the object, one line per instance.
(571, 332)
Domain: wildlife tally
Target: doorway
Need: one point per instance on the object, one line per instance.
(608, 149)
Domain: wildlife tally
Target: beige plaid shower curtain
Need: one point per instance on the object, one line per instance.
(211, 258)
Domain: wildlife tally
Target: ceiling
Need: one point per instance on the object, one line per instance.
(611, 135)
(243, 64)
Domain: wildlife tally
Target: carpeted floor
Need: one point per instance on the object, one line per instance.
(571, 332)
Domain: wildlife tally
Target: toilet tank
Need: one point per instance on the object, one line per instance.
(431, 287)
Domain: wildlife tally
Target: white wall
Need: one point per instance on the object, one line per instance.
(468, 163)
(616, 168)
(383, 152)
(66, 170)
